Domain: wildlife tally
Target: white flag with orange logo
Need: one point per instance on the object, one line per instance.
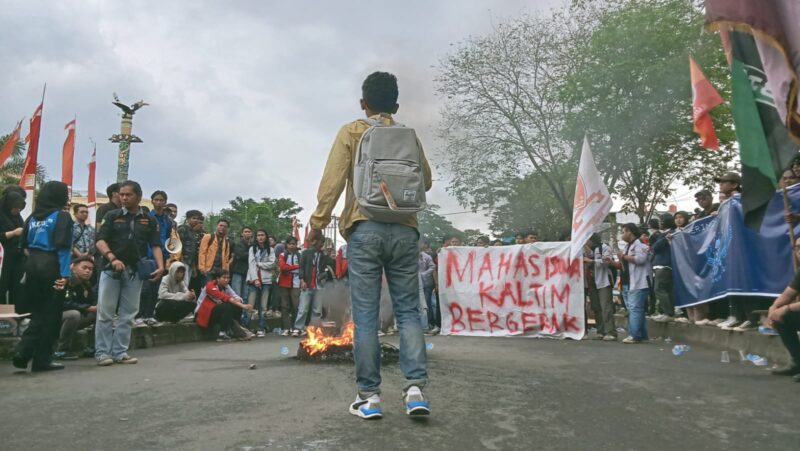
(592, 202)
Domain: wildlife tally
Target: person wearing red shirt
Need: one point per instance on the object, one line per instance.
(289, 284)
(220, 306)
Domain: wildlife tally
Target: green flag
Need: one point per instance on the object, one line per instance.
(765, 146)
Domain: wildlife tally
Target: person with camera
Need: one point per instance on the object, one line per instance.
(123, 240)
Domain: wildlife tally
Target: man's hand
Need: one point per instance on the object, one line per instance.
(247, 307)
(91, 309)
(190, 296)
(118, 265)
(17, 232)
(303, 285)
(60, 284)
(587, 260)
(621, 256)
(776, 314)
(156, 275)
(257, 283)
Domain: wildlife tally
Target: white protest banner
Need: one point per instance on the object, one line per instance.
(532, 289)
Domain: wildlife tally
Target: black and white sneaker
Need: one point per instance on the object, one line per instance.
(368, 409)
(416, 404)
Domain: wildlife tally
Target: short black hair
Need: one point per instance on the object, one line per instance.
(520, 234)
(170, 205)
(531, 232)
(685, 214)
(224, 220)
(633, 228)
(112, 188)
(81, 259)
(221, 272)
(193, 214)
(77, 207)
(379, 91)
(158, 193)
(653, 223)
(246, 228)
(137, 188)
(291, 239)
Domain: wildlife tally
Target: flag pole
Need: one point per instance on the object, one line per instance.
(787, 207)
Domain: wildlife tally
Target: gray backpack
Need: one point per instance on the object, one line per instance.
(387, 178)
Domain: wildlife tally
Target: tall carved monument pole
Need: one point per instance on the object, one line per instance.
(125, 137)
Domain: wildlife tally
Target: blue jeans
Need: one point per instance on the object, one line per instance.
(119, 296)
(375, 248)
(259, 297)
(636, 303)
(239, 285)
(308, 301)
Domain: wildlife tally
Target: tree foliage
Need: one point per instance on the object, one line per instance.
(436, 227)
(518, 101)
(273, 215)
(630, 92)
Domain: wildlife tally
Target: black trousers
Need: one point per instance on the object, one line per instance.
(224, 315)
(148, 299)
(788, 331)
(11, 289)
(46, 308)
(172, 311)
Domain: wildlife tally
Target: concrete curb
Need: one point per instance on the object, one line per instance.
(751, 342)
(141, 337)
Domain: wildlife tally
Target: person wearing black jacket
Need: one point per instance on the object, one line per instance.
(48, 239)
(12, 202)
(662, 269)
(240, 262)
(79, 305)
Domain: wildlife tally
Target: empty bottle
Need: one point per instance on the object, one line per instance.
(742, 357)
(680, 349)
(726, 358)
(429, 346)
(764, 330)
(277, 331)
(284, 350)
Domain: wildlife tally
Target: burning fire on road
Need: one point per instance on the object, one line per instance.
(326, 344)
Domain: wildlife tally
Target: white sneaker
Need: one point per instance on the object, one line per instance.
(139, 322)
(745, 326)
(727, 322)
(683, 320)
(663, 319)
(731, 326)
(368, 409)
(416, 404)
(260, 334)
(702, 322)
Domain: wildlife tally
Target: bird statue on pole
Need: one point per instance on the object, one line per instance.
(125, 137)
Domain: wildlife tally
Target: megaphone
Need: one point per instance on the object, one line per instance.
(173, 244)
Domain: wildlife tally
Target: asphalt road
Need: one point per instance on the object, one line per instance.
(516, 393)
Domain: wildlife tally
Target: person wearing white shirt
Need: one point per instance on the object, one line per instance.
(635, 262)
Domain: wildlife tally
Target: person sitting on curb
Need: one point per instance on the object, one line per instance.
(175, 300)
(219, 307)
(784, 316)
(80, 305)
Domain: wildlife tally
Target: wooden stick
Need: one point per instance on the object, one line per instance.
(788, 209)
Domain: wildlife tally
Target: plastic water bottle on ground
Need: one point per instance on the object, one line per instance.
(429, 346)
(284, 350)
(668, 340)
(680, 349)
(726, 358)
(742, 357)
(277, 331)
(764, 330)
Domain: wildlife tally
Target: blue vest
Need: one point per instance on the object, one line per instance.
(40, 237)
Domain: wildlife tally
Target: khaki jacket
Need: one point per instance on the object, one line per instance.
(208, 250)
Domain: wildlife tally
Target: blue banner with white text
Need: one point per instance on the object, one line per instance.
(719, 256)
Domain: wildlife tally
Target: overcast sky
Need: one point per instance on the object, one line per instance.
(245, 96)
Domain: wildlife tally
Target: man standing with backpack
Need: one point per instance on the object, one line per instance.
(383, 167)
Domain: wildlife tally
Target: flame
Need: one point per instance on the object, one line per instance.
(317, 341)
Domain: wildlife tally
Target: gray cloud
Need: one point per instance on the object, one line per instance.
(246, 97)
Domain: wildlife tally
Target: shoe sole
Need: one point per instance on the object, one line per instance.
(418, 411)
(372, 416)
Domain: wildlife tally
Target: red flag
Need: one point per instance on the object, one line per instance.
(704, 99)
(11, 142)
(68, 155)
(92, 195)
(28, 178)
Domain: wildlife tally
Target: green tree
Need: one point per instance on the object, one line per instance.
(435, 226)
(630, 92)
(503, 117)
(11, 171)
(273, 215)
(531, 206)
